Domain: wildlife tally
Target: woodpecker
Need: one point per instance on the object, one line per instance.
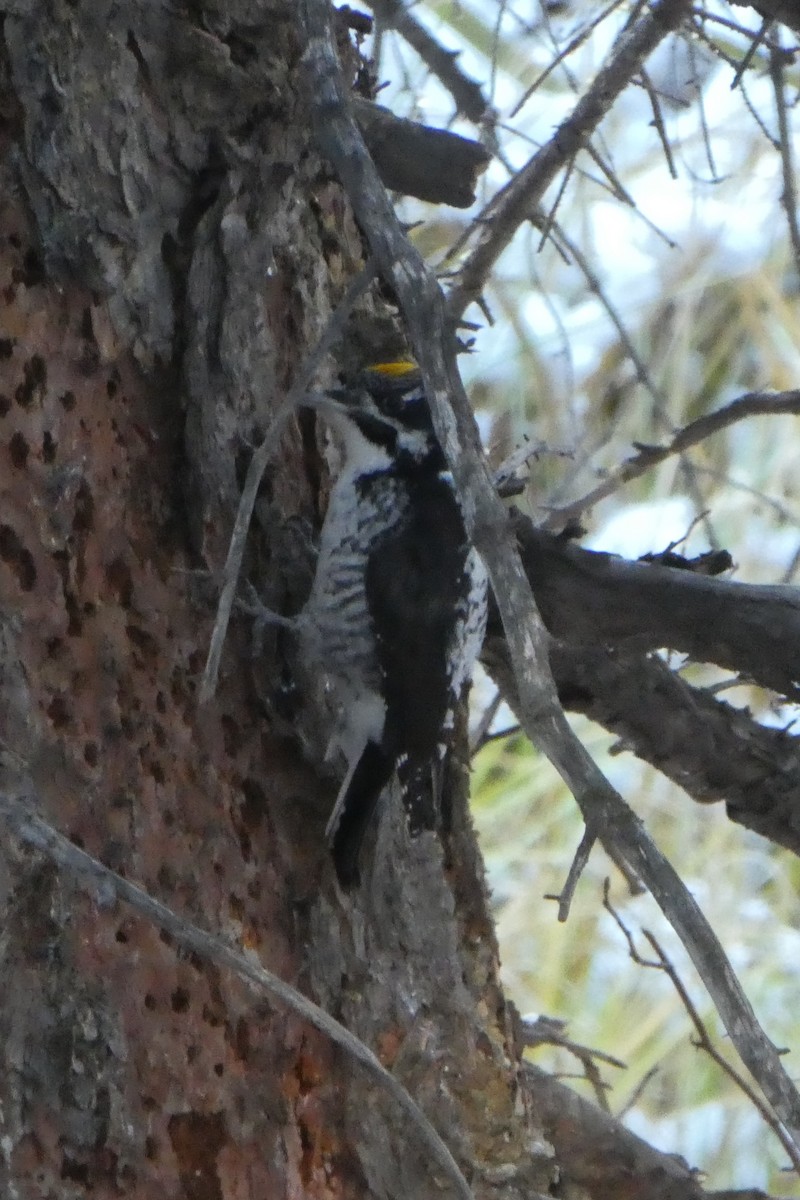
(397, 610)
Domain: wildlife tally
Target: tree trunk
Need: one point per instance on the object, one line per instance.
(170, 249)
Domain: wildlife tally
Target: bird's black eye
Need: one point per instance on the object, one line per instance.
(375, 430)
(411, 411)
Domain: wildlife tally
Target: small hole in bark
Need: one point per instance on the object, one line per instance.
(58, 712)
(180, 1000)
(18, 451)
(18, 558)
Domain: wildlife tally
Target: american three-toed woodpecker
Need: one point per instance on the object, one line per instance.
(397, 610)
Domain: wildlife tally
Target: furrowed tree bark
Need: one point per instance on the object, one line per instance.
(171, 250)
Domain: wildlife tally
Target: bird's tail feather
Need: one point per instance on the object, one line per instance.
(355, 805)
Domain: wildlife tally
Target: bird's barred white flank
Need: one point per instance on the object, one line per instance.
(397, 611)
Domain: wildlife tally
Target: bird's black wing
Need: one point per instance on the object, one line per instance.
(415, 585)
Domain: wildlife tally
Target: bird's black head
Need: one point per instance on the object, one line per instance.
(389, 406)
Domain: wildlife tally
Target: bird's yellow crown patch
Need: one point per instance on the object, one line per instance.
(402, 366)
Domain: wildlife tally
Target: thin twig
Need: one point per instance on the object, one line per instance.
(786, 513)
(501, 7)
(752, 404)
(431, 335)
(791, 568)
(701, 109)
(704, 14)
(578, 40)
(777, 57)
(545, 1031)
(756, 115)
(703, 1042)
(579, 861)
(659, 406)
(609, 183)
(466, 93)
(589, 274)
(258, 463)
(612, 182)
(524, 192)
(658, 121)
(766, 25)
(498, 735)
(551, 1031)
(98, 880)
(736, 67)
(618, 189)
(550, 216)
(637, 1092)
(482, 735)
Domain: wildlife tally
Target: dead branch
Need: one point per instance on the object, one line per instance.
(606, 619)
(603, 1156)
(513, 205)
(588, 598)
(703, 1042)
(466, 93)
(752, 404)
(777, 60)
(421, 160)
